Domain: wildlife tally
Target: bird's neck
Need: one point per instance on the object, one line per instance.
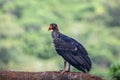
(55, 34)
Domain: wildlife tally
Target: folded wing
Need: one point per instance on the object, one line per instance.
(73, 52)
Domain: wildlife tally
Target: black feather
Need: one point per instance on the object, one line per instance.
(72, 51)
(76, 61)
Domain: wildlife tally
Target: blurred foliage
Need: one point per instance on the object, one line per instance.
(26, 44)
(115, 71)
(113, 12)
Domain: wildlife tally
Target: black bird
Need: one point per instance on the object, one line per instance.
(71, 50)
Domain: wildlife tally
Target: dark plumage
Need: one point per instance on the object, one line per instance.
(71, 50)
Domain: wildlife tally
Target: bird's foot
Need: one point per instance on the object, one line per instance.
(64, 71)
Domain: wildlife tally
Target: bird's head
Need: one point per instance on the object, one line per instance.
(53, 26)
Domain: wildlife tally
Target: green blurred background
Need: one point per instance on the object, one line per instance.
(26, 43)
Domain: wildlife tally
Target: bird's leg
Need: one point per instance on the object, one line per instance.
(66, 68)
(65, 63)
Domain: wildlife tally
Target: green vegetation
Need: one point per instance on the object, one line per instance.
(26, 44)
(115, 72)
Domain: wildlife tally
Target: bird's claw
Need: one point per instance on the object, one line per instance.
(64, 71)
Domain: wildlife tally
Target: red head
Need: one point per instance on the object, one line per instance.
(53, 26)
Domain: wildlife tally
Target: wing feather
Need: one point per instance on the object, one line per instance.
(73, 52)
(77, 61)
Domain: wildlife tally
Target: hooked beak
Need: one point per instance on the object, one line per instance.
(50, 28)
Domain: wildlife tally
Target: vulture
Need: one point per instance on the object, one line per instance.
(71, 51)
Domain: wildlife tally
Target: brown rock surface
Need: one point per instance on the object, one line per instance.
(48, 75)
